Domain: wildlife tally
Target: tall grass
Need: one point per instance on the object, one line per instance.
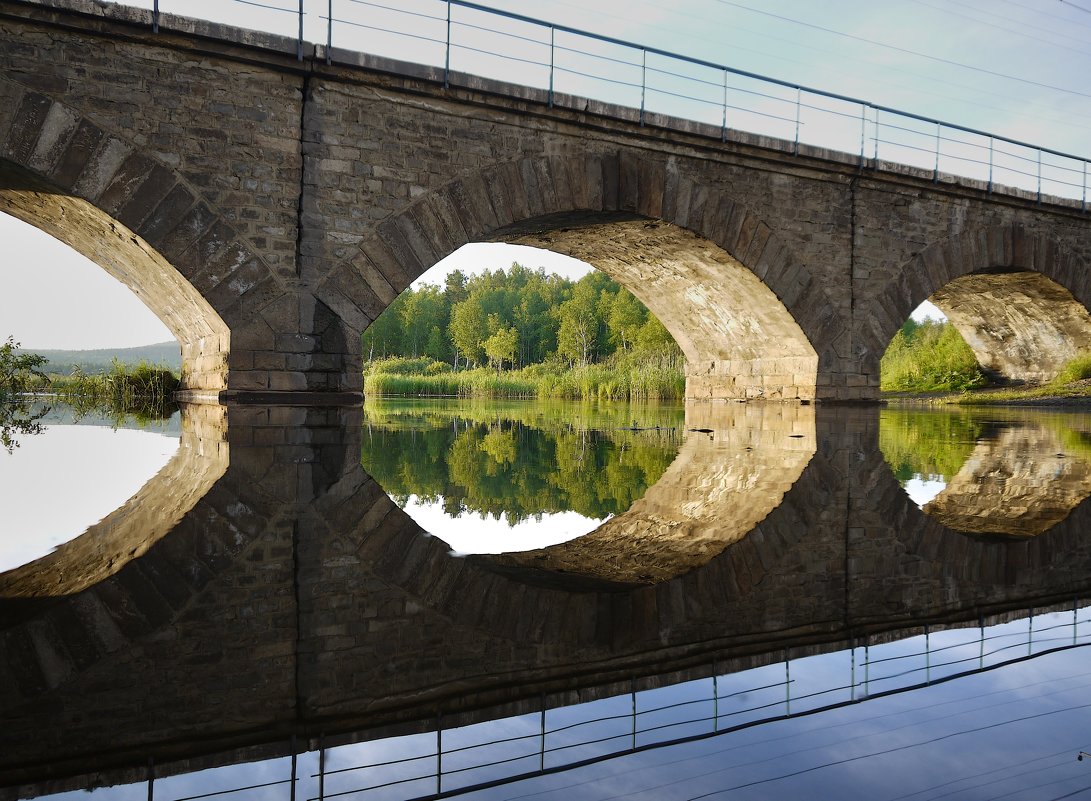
(619, 381)
(929, 357)
(143, 388)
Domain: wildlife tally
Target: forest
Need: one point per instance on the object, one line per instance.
(521, 332)
(522, 461)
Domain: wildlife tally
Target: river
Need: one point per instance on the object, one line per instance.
(524, 599)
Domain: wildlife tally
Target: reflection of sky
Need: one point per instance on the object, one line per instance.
(922, 489)
(471, 532)
(56, 484)
(1012, 731)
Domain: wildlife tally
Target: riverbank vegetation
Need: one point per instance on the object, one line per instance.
(931, 359)
(929, 356)
(516, 460)
(521, 333)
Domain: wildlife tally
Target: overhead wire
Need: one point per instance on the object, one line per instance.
(905, 50)
(997, 26)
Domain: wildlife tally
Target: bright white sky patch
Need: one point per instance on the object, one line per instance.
(477, 257)
(56, 484)
(922, 490)
(56, 298)
(471, 533)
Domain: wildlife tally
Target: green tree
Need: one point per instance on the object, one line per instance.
(17, 369)
(469, 327)
(502, 346)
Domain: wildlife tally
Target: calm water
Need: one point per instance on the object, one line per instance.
(797, 601)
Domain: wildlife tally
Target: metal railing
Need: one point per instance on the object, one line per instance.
(457, 760)
(566, 62)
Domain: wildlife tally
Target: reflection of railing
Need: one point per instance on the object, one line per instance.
(552, 57)
(458, 760)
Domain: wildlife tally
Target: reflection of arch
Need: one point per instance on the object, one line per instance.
(1018, 298)
(128, 533)
(570, 201)
(720, 486)
(126, 210)
(939, 564)
(1020, 480)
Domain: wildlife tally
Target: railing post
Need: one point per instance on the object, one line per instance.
(447, 55)
(643, 81)
(723, 127)
(787, 686)
(151, 779)
(935, 171)
(927, 658)
(541, 750)
(1039, 198)
(552, 51)
(295, 768)
(852, 673)
(155, 17)
(716, 698)
(875, 158)
(1075, 619)
(1030, 633)
(439, 753)
(632, 691)
(1083, 201)
(990, 164)
(981, 654)
(329, 32)
(321, 769)
(299, 38)
(863, 132)
(795, 143)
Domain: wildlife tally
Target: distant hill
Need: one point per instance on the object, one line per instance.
(98, 361)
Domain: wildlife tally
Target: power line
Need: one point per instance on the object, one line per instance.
(998, 27)
(1078, 8)
(918, 54)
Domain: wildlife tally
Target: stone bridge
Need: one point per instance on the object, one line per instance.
(268, 209)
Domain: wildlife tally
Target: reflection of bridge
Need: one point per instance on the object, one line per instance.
(295, 600)
(269, 208)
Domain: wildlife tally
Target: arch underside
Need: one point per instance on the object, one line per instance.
(1021, 325)
(739, 340)
(735, 467)
(1020, 481)
(202, 334)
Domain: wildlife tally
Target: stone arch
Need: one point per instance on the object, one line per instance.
(1018, 297)
(549, 196)
(124, 208)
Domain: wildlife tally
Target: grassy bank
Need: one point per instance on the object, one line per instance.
(618, 381)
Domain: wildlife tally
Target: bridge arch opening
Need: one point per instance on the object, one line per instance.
(726, 321)
(203, 336)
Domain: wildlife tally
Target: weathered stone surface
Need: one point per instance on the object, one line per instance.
(1020, 325)
(235, 188)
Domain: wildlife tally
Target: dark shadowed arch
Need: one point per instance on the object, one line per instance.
(1017, 296)
(125, 209)
(679, 245)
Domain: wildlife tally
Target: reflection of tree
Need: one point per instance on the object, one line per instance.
(501, 466)
(17, 419)
(928, 443)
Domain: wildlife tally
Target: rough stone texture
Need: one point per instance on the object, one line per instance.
(299, 198)
(1021, 325)
(736, 464)
(295, 599)
(1008, 488)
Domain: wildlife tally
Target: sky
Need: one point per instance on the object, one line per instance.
(1010, 67)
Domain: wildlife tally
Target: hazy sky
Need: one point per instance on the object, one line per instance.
(1011, 67)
